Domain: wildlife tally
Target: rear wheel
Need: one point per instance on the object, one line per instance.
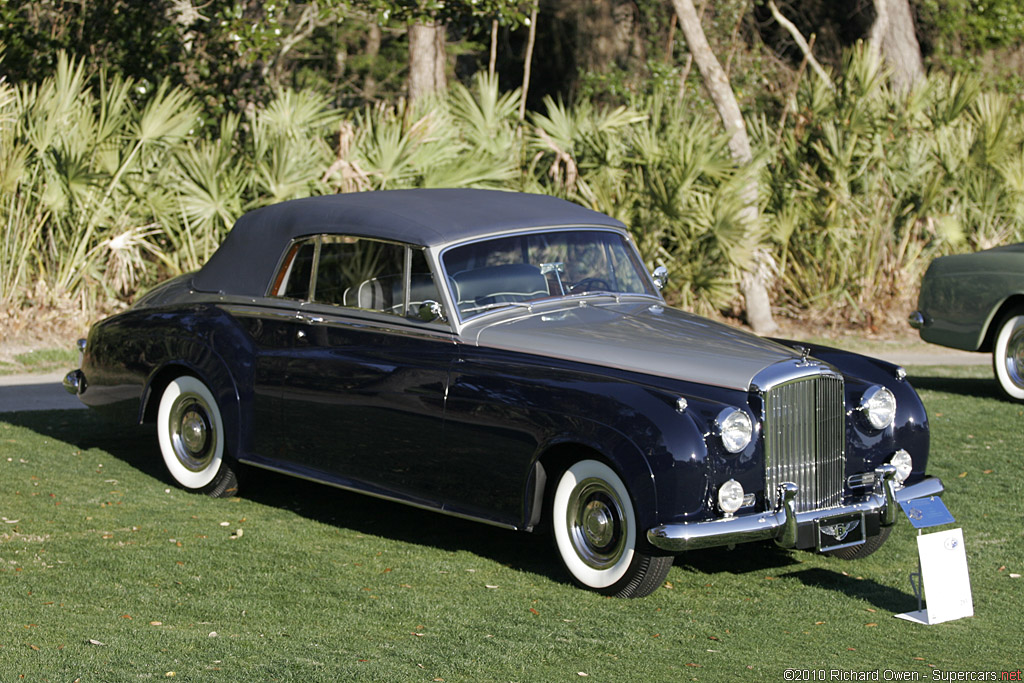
(191, 435)
(1008, 355)
(594, 526)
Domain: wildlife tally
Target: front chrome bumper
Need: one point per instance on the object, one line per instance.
(784, 523)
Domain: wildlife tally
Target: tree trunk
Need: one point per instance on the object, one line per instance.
(528, 59)
(494, 48)
(892, 34)
(426, 58)
(372, 50)
(757, 275)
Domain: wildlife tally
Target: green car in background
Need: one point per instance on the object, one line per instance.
(975, 302)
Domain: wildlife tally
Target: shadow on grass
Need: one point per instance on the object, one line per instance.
(976, 387)
(533, 553)
(743, 559)
(883, 597)
(759, 558)
(137, 446)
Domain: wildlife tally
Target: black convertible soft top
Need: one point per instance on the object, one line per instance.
(244, 264)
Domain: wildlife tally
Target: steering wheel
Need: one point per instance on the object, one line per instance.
(589, 284)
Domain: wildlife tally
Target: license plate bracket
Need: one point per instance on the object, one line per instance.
(843, 531)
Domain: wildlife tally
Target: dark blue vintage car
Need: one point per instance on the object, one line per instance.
(507, 358)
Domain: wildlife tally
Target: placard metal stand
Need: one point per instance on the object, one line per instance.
(941, 565)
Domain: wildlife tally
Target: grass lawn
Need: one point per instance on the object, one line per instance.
(109, 573)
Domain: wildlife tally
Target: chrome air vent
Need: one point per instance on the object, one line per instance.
(804, 438)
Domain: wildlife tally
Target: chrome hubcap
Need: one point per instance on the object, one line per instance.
(193, 431)
(1015, 354)
(193, 436)
(596, 525)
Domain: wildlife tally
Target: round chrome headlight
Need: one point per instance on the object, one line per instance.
(879, 407)
(736, 429)
(730, 496)
(903, 463)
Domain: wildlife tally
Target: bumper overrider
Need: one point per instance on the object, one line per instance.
(791, 529)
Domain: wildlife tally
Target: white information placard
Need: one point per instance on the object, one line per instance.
(947, 585)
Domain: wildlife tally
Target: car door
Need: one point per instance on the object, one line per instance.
(364, 380)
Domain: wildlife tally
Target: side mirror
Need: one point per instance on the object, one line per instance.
(429, 311)
(660, 276)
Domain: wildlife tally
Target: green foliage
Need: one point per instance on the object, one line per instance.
(983, 37)
(867, 185)
(106, 191)
(969, 26)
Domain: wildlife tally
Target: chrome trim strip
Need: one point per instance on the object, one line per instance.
(375, 494)
(332, 316)
(790, 370)
(783, 524)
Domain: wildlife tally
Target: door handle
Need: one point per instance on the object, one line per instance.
(309, 318)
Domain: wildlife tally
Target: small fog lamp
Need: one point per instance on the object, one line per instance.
(903, 463)
(736, 429)
(730, 496)
(879, 407)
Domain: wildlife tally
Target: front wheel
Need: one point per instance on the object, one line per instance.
(191, 435)
(1008, 355)
(594, 526)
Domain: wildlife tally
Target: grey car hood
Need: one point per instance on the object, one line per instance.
(638, 336)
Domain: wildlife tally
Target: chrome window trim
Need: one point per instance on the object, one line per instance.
(317, 239)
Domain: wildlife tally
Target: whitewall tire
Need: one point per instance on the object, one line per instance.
(594, 528)
(1008, 355)
(191, 435)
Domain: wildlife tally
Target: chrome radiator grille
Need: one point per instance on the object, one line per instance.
(804, 437)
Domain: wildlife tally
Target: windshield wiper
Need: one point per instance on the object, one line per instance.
(499, 304)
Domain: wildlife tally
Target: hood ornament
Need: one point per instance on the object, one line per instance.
(805, 352)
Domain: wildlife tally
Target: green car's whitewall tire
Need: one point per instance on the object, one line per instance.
(191, 435)
(1008, 355)
(594, 527)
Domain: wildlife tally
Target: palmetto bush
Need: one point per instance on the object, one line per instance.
(464, 139)
(78, 163)
(663, 171)
(868, 184)
(105, 190)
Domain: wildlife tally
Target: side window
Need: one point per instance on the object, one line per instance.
(357, 272)
(293, 279)
(360, 273)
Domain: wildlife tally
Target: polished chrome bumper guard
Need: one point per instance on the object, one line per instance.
(74, 382)
(784, 523)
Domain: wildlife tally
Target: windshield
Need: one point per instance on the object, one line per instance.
(507, 270)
